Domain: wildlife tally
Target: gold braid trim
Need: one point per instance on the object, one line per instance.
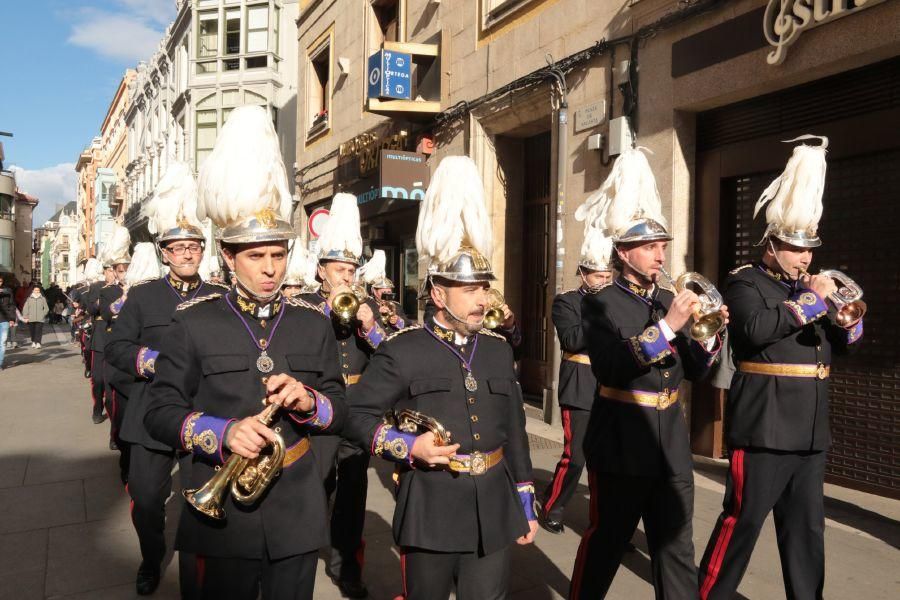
(199, 300)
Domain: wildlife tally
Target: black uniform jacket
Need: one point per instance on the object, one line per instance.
(629, 352)
(438, 509)
(577, 384)
(109, 304)
(354, 348)
(133, 346)
(206, 375)
(772, 322)
(92, 307)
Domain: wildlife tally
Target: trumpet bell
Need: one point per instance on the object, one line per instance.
(493, 318)
(345, 306)
(850, 313)
(210, 499)
(707, 326)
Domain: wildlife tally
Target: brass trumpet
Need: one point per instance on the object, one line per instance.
(708, 319)
(346, 304)
(410, 421)
(246, 478)
(847, 299)
(493, 317)
(392, 312)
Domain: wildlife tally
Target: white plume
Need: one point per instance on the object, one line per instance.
(144, 264)
(453, 212)
(203, 270)
(374, 270)
(341, 231)
(118, 244)
(174, 199)
(629, 193)
(597, 248)
(245, 172)
(296, 268)
(93, 270)
(311, 269)
(796, 194)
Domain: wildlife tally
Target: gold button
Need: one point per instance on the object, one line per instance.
(344, 354)
(474, 418)
(346, 366)
(475, 436)
(819, 348)
(665, 374)
(471, 400)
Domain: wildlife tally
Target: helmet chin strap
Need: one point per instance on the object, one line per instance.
(644, 275)
(255, 296)
(454, 316)
(781, 265)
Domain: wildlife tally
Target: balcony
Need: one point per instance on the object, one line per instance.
(405, 80)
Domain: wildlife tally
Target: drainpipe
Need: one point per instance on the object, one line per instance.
(560, 103)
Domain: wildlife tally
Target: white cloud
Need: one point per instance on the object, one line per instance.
(158, 11)
(52, 186)
(115, 36)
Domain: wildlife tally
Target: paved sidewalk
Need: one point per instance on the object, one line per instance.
(65, 530)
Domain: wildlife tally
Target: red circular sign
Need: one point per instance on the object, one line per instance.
(317, 220)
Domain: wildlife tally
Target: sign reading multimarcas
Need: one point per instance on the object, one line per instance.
(389, 75)
(402, 176)
(785, 20)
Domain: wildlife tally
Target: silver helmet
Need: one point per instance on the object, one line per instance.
(644, 230)
(262, 226)
(466, 266)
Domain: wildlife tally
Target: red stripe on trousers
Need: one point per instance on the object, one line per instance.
(361, 554)
(201, 571)
(563, 467)
(727, 528)
(586, 539)
(402, 575)
(94, 364)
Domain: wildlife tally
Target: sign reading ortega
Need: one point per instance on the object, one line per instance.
(389, 75)
(785, 20)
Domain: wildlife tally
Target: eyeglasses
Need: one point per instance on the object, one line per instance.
(181, 250)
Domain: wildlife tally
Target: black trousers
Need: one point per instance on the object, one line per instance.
(97, 387)
(759, 481)
(429, 575)
(36, 330)
(149, 485)
(291, 578)
(618, 502)
(568, 470)
(344, 471)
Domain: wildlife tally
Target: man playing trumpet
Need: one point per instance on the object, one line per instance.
(776, 419)
(222, 355)
(637, 445)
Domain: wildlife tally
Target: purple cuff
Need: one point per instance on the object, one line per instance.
(393, 445)
(526, 495)
(204, 435)
(116, 306)
(375, 335)
(807, 306)
(145, 365)
(650, 346)
(400, 324)
(322, 414)
(855, 332)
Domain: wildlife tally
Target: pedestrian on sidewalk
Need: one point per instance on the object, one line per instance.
(34, 313)
(7, 316)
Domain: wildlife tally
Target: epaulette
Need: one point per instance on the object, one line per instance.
(739, 269)
(294, 301)
(404, 330)
(217, 284)
(199, 300)
(492, 334)
(141, 282)
(106, 285)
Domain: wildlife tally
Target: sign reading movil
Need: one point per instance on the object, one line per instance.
(785, 20)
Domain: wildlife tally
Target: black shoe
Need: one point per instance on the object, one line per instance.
(352, 589)
(113, 445)
(551, 525)
(98, 419)
(147, 580)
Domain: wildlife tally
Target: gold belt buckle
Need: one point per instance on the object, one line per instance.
(477, 463)
(662, 401)
(821, 371)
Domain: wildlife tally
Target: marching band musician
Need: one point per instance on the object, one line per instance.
(783, 335)
(133, 347)
(227, 354)
(118, 258)
(373, 273)
(637, 444)
(343, 465)
(294, 277)
(97, 337)
(459, 506)
(577, 383)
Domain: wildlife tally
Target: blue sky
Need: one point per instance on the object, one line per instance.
(61, 63)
